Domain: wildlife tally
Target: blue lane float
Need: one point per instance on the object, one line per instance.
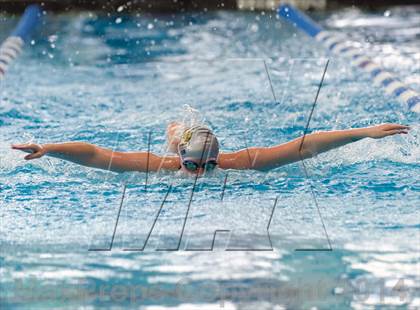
(12, 46)
(339, 44)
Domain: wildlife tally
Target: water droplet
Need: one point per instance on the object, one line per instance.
(52, 38)
(118, 20)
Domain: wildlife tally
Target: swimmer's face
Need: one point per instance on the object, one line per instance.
(196, 167)
(200, 171)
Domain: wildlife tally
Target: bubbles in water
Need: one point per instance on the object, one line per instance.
(52, 38)
(192, 117)
(254, 28)
(118, 20)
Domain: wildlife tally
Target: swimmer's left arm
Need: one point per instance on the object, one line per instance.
(264, 158)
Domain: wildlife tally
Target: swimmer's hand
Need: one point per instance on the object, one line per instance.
(384, 130)
(35, 150)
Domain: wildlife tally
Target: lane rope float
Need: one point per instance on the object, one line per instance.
(12, 46)
(341, 45)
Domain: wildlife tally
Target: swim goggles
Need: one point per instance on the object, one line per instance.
(193, 166)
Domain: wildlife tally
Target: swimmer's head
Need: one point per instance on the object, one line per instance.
(198, 149)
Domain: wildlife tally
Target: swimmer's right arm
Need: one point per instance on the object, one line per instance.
(97, 157)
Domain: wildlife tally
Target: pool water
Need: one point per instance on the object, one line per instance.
(114, 79)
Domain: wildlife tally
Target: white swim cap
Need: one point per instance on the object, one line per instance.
(198, 143)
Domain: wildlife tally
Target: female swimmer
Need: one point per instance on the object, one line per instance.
(197, 150)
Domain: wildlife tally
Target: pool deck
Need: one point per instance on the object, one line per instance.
(188, 5)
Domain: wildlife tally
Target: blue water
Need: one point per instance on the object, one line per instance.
(110, 80)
